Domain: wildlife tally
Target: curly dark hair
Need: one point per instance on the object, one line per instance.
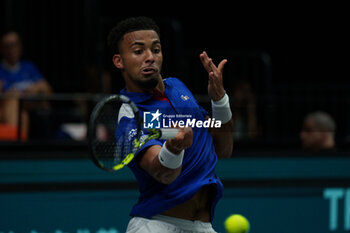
(129, 25)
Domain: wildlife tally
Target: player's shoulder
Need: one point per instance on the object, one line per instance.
(172, 81)
(125, 111)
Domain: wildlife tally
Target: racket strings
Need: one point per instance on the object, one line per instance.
(115, 135)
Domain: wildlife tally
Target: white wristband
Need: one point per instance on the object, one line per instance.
(169, 159)
(221, 109)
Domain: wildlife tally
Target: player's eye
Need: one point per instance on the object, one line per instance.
(138, 51)
(156, 50)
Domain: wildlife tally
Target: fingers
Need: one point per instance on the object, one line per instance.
(215, 85)
(210, 66)
(183, 140)
(184, 136)
(206, 61)
(211, 78)
(221, 65)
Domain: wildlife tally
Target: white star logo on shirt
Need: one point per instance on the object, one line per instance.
(156, 115)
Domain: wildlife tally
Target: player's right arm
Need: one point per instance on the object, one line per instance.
(150, 160)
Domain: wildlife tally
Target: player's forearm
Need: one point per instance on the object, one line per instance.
(223, 139)
(164, 162)
(223, 136)
(163, 174)
(151, 164)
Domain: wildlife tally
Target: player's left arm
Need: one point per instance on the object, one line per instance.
(222, 137)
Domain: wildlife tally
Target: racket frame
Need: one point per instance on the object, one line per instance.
(92, 130)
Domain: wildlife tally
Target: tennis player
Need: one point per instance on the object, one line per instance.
(177, 182)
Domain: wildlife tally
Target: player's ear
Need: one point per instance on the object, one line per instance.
(118, 61)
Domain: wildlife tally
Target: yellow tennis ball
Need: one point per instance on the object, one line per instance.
(237, 223)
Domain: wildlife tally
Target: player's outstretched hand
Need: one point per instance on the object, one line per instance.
(182, 141)
(215, 85)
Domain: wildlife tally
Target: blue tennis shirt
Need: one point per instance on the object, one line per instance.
(198, 167)
(21, 77)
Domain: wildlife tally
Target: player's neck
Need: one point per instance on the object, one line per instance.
(133, 87)
(160, 87)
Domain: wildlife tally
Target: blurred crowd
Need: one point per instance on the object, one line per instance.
(24, 118)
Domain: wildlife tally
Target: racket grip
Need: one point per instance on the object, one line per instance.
(168, 133)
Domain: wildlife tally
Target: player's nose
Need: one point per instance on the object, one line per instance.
(149, 56)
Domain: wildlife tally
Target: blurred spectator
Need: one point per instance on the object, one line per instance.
(317, 133)
(98, 81)
(17, 77)
(244, 108)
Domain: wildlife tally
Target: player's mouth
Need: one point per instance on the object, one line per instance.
(149, 70)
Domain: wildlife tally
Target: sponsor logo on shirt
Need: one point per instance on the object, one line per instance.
(185, 97)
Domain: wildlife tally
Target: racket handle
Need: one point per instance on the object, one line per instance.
(168, 133)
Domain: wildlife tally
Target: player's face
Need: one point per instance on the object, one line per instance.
(310, 136)
(140, 59)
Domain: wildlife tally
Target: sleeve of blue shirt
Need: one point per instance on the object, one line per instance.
(126, 132)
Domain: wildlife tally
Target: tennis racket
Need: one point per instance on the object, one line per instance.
(115, 132)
